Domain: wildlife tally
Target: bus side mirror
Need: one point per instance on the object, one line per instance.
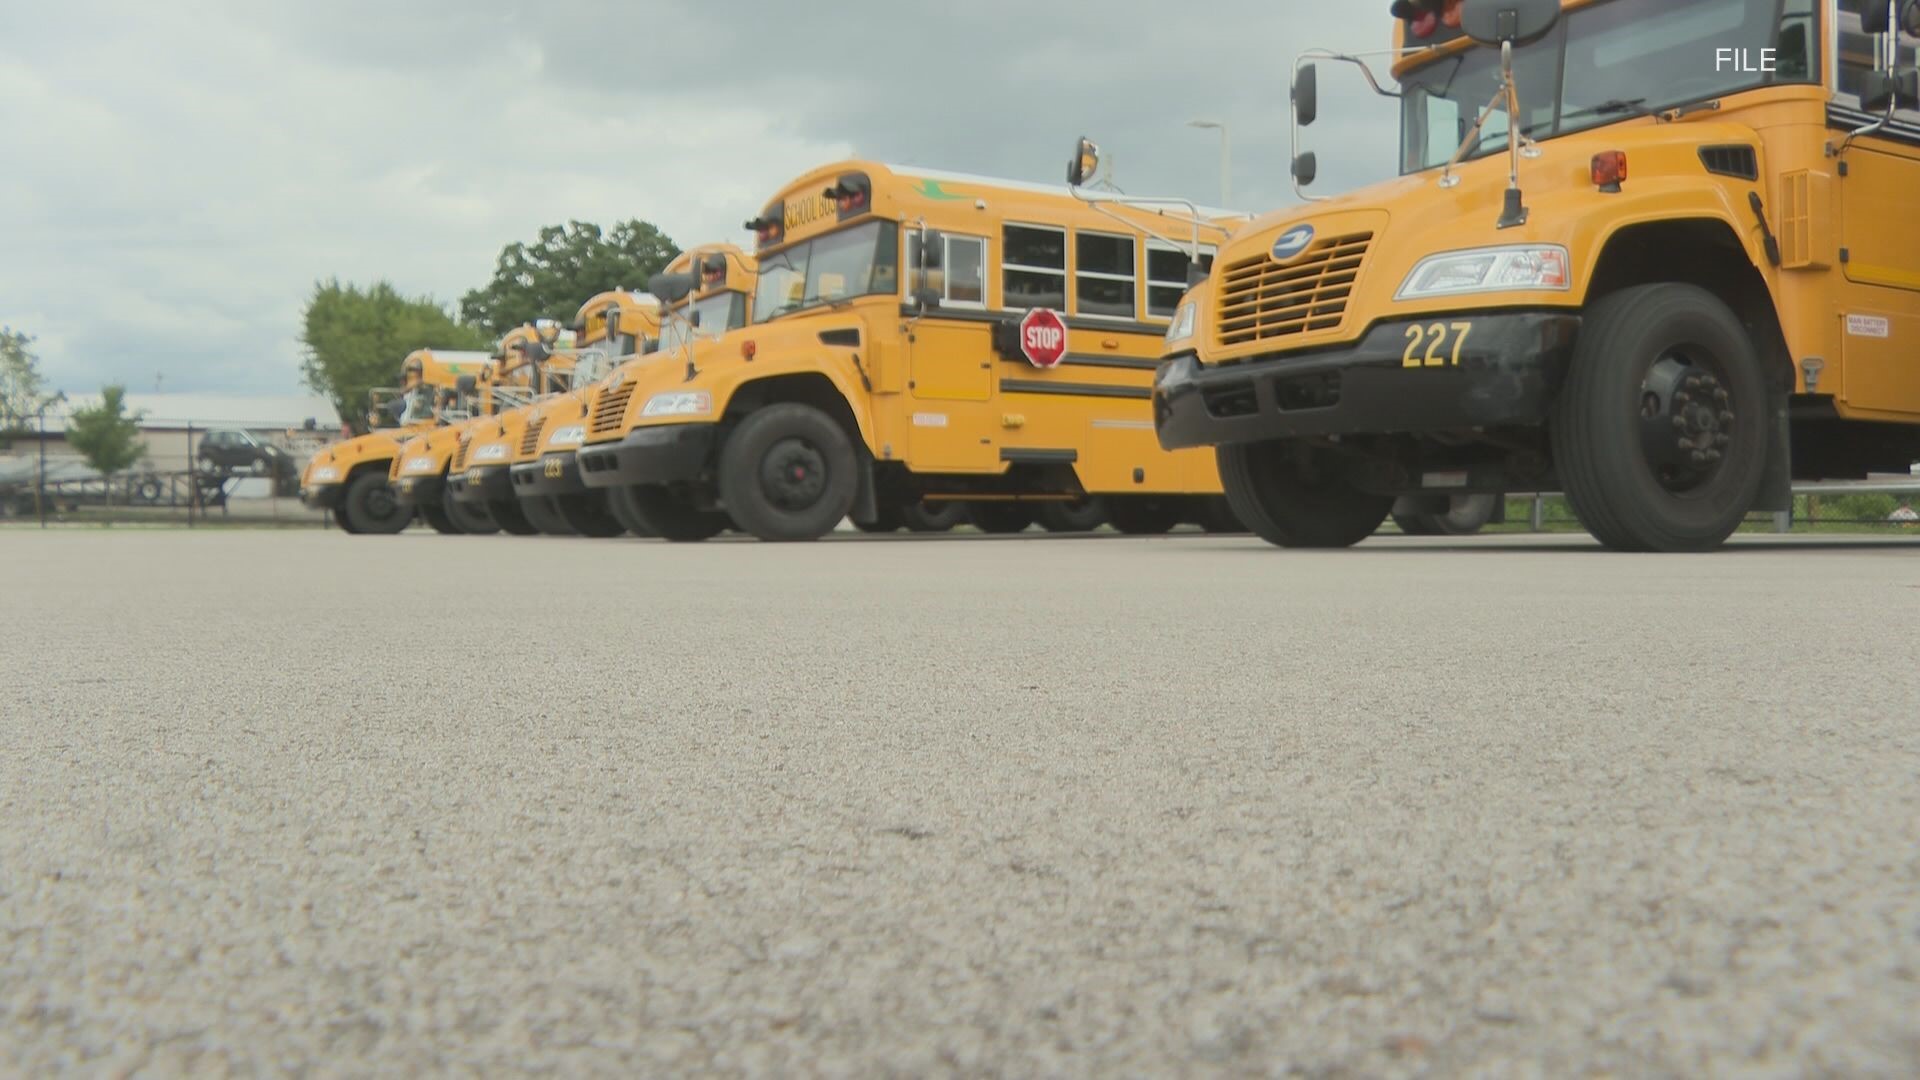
(926, 299)
(1509, 22)
(1085, 164)
(1306, 95)
(465, 384)
(1305, 168)
(1880, 90)
(670, 288)
(1873, 14)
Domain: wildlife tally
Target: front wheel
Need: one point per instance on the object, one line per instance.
(671, 517)
(621, 505)
(586, 513)
(1660, 431)
(788, 473)
(507, 514)
(1215, 514)
(469, 518)
(1294, 496)
(370, 506)
(1000, 518)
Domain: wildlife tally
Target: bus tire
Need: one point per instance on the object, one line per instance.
(620, 505)
(1659, 433)
(469, 518)
(670, 517)
(1000, 518)
(788, 473)
(507, 514)
(586, 513)
(370, 507)
(1456, 515)
(933, 517)
(1143, 515)
(1214, 514)
(437, 519)
(1078, 516)
(1292, 497)
(543, 515)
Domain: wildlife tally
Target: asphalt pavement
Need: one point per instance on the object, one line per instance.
(300, 801)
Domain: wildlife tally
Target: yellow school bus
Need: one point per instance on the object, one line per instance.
(351, 477)
(1692, 278)
(923, 335)
(610, 328)
(717, 297)
(531, 362)
(419, 471)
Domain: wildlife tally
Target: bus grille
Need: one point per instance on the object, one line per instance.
(1261, 299)
(393, 470)
(610, 408)
(530, 442)
(459, 459)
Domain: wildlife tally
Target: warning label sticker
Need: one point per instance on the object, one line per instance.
(1868, 326)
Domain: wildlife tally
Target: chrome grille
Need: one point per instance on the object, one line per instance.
(530, 442)
(1261, 299)
(610, 408)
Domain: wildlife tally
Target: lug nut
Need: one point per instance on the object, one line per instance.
(1699, 457)
(1722, 440)
(1713, 455)
(1680, 423)
(1726, 417)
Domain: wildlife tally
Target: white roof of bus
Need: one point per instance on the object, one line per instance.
(1042, 189)
(467, 357)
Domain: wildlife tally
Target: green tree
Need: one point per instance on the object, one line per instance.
(22, 389)
(356, 339)
(105, 434)
(551, 277)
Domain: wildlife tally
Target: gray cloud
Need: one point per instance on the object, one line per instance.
(177, 176)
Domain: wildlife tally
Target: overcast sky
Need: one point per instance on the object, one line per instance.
(175, 176)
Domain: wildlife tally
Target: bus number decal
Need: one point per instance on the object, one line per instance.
(1427, 346)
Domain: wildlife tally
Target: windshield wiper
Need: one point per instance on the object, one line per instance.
(1612, 107)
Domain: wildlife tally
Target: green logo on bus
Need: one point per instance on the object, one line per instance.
(932, 190)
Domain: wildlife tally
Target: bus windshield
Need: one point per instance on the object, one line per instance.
(1603, 63)
(714, 315)
(861, 261)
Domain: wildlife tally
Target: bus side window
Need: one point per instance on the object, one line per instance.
(1167, 276)
(1104, 275)
(956, 268)
(1033, 270)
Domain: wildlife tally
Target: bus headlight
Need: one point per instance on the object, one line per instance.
(679, 403)
(419, 465)
(326, 475)
(1181, 328)
(571, 435)
(1520, 268)
(490, 452)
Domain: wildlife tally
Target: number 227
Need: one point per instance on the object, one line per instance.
(1434, 338)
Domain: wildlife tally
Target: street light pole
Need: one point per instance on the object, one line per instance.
(1226, 158)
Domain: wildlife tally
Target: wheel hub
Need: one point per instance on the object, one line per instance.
(793, 474)
(1687, 418)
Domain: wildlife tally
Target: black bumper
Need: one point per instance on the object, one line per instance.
(420, 490)
(323, 496)
(483, 483)
(557, 473)
(1510, 367)
(669, 454)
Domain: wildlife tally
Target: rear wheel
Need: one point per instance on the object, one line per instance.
(1294, 496)
(469, 518)
(671, 517)
(507, 514)
(586, 513)
(788, 473)
(1000, 518)
(1081, 515)
(1457, 515)
(1143, 515)
(1660, 431)
(933, 517)
(370, 506)
(1215, 514)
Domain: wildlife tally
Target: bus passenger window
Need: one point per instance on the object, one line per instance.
(1167, 276)
(1103, 275)
(1034, 265)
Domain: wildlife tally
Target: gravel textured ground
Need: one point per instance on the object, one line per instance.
(1031, 806)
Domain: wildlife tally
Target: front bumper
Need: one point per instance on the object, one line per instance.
(323, 496)
(557, 473)
(420, 490)
(1510, 367)
(483, 483)
(664, 454)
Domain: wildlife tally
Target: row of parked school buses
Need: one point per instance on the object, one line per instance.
(1670, 347)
